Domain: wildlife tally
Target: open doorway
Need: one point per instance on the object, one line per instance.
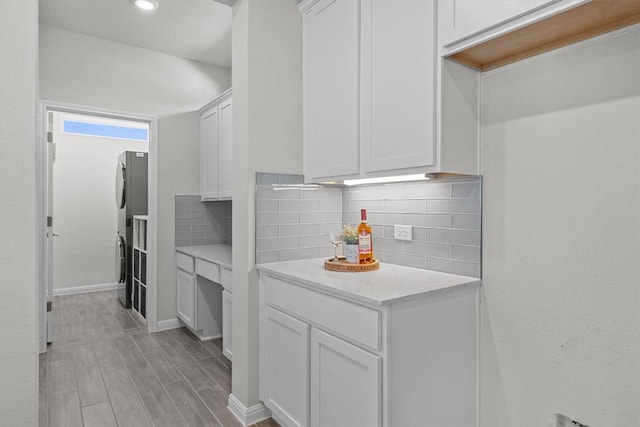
(80, 154)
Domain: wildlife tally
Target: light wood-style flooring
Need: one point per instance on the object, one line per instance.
(104, 369)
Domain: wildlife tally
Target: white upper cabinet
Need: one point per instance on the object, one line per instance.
(398, 84)
(216, 148)
(331, 88)
(209, 136)
(225, 149)
(371, 89)
(460, 19)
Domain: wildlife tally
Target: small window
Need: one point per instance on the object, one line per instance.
(105, 128)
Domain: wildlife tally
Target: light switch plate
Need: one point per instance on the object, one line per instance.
(402, 232)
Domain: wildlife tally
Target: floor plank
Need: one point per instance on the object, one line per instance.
(98, 415)
(165, 369)
(90, 385)
(155, 398)
(194, 411)
(43, 391)
(216, 399)
(122, 393)
(218, 372)
(188, 366)
(133, 418)
(62, 377)
(65, 410)
(107, 356)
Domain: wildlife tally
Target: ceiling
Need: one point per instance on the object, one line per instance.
(199, 30)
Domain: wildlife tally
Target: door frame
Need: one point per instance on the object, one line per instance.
(41, 214)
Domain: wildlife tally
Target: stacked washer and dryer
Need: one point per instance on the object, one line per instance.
(131, 199)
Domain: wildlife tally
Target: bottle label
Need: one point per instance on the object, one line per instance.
(364, 243)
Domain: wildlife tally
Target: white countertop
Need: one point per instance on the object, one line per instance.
(219, 254)
(390, 284)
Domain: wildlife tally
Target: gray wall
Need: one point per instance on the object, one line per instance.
(18, 254)
(561, 237)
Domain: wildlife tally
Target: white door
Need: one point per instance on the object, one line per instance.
(209, 155)
(51, 158)
(398, 93)
(227, 315)
(285, 362)
(186, 295)
(331, 88)
(225, 149)
(346, 385)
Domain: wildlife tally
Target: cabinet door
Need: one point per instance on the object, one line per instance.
(346, 385)
(185, 296)
(227, 314)
(225, 149)
(398, 90)
(284, 360)
(460, 19)
(209, 153)
(331, 88)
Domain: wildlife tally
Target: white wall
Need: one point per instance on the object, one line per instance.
(267, 137)
(85, 212)
(18, 272)
(88, 71)
(561, 237)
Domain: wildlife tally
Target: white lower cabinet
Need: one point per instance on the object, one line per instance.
(200, 302)
(328, 361)
(227, 310)
(186, 291)
(284, 367)
(346, 383)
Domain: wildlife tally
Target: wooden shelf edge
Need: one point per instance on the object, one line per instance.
(578, 24)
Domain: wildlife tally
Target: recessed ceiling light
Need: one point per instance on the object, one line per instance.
(146, 4)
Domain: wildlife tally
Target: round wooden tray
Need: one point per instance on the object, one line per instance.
(343, 265)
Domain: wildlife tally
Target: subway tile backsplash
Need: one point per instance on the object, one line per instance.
(445, 219)
(202, 223)
(292, 221)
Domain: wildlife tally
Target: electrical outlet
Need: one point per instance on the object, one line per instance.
(402, 232)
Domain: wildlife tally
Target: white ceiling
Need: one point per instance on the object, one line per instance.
(199, 30)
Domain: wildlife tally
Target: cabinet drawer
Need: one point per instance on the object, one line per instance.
(226, 279)
(184, 262)
(358, 323)
(208, 270)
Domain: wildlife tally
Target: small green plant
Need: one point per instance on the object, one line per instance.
(349, 235)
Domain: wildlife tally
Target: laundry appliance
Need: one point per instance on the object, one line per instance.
(131, 199)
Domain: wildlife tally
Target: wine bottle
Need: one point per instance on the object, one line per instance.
(365, 244)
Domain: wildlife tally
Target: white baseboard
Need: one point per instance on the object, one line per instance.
(84, 289)
(248, 416)
(165, 325)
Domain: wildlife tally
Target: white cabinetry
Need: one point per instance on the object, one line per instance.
(370, 89)
(346, 383)
(284, 358)
(216, 148)
(199, 296)
(331, 94)
(226, 279)
(463, 23)
(329, 361)
(186, 297)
